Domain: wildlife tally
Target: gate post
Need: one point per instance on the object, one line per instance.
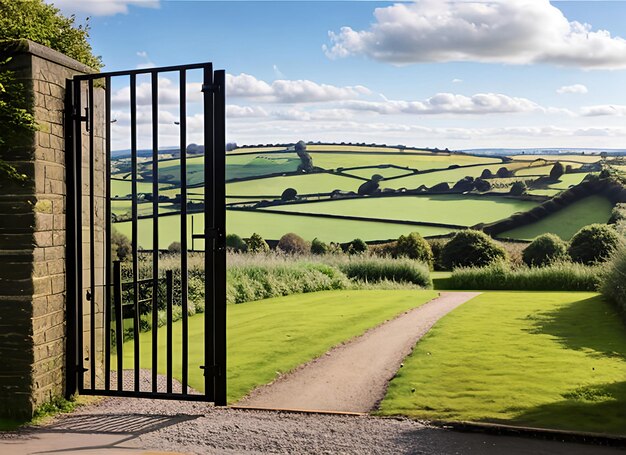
(33, 237)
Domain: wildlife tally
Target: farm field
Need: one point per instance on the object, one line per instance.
(539, 359)
(303, 184)
(274, 336)
(446, 208)
(566, 222)
(567, 158)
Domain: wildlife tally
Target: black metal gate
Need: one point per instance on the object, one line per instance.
(129, 329)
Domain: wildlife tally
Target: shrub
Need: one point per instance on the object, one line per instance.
(503, 172)
(518, 188)
(121, 247)
(415, 247)
(256, 244)
(289, 194)
(558, 276)
(318, 247)
(544, 250)
(614, 281)
(293, 244)
(436, 246)
(440, 187)
(471, 248)
(174, 248)
(465, 184)
(235, 243)
(486, 174)
(369, 187)
(594, 243)
(482, 185)
(557, 171)
(357, 246)
(385, 269)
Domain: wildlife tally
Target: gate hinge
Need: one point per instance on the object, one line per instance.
(211, 88)
(213, 370)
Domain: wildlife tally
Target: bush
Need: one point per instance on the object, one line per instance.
(121, 247)
(471, 248)
(357, 246)
(235, 243)
(544, 250)
(614, 281)
(594, 243)
(482, 185)
(558, 276)
(174, 248)
(256, 244)
(518, 188)
(289, 194)
(436, 246)
(465, 184)
(557, 171)
(415, 247)
(486, 174)
(318, 247)
(293, 244)
(385, 269)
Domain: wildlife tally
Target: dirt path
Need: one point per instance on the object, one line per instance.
(353, 377)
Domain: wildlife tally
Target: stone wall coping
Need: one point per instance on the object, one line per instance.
(24, 46)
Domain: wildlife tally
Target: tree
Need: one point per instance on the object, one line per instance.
(357, 246)
(369, 187)
(482, 185)
(306, 162)
(471, 248)
(121, 247)
(503, 173)
(518, 188)
(174, 248)
(256, 244)
(415, 247)
(465, 184)
(318, 247)
(486, 174)
(235, 243)
(289, 194)
(557, 171)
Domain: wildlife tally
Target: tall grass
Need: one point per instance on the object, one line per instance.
(380, 269)
(614, 282)
(561, 276)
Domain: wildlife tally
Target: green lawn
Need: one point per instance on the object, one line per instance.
(276, 335)
(566, 222)
(303, 184)
(368, 172)
(544, 359)
(447, 209)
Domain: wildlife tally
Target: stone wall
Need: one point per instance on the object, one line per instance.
(32, 239)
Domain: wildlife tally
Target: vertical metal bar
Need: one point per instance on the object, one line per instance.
(169, 301)
(72, 262)
(119, 322)
(183, 226)
(219, 207)
(135, 239)
(92, 242)
(155, 228)
(107, 237)
(80, 292)
(209, 191)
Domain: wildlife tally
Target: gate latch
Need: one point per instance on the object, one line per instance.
(213, 370)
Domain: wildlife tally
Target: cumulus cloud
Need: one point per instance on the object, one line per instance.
(101, 7)
(603, 109)
(146, 62)
(576, 88)
(288, 91)
(235, 111)
(499, 31)
(449, 103)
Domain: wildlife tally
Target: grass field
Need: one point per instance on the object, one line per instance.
(555, 360)
(303, 184)
(566, 222)
(447, 209)
(274, 336)
(561, 157)
(367, 173)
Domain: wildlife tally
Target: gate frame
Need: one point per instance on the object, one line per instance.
(213, 88)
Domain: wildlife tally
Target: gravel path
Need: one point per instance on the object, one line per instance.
(353, 377)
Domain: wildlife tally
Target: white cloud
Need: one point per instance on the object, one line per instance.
(235, 111)
(603, 109)
(449, 103)
(288, 91)
(499, 31)
(169, 93)
(146, 63)
(277, 72)
(101, 7)
(457, 81)
(576, 88)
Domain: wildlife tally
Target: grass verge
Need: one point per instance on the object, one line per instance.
(274, 336)
(544, 359)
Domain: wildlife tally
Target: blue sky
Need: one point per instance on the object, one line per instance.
(458, 74)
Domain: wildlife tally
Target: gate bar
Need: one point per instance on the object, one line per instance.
(79, 366)
(135, 236)
(107, 237)
(169, 301)
(92, 241)
(183, 226)
(155, 228)
(119, 322)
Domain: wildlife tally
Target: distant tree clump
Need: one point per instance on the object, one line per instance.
(256, 244)
(318, 247)
(306, 162)
(369, 187)
(557, 171)
(415, 247)
(289, 194)
(174, 248)
(594, 244)
(235, 243)
(503, 173)
(471, 248)
(486, 174)
(440, 187)
(121, 246)
(293, 244)
(518, 188)
(482, 185)
(545, 250)
(465, 184)
(357, 246)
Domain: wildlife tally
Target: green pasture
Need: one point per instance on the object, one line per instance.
(534, 170)
(464, 210)
(565, 159)
(540, 359)
(273, 336)
(388, 172)
(303, 184)
(254, 149)
(143, 208)
(566, 222)
(251, 165)
(121, 188)
(413, 161)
